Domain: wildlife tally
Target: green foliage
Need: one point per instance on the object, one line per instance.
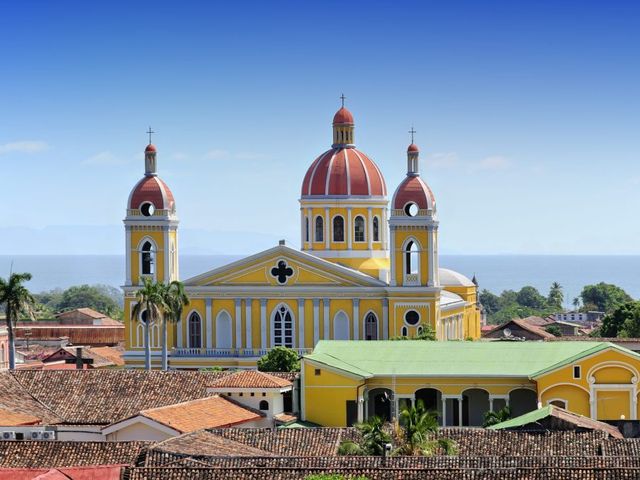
(280, 359)
(530, 297)
(102, 298)
(556, 296)
(211, 369)
(554, 330)
(150, 300)
(493, 418)
(490, 302)
(603, 297)
(333, 476)
(427, 333)
(624, 321)
(16, 300)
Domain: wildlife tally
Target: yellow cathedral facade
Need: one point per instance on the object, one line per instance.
(367, 270)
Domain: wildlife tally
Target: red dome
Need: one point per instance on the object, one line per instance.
(413, 148)
(343, 171)
(413, 190)
(150, 148)
(343, 116)
(151, 189)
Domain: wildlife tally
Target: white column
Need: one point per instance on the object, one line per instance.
(179, 334)
(392, 256)
(263, 323)
(444, 411)
(312, 228)
(369, 229)
(327, 228)
(384, 229)
(385, 318)
(238, 323)
(360, 401)
(165, 235)
(491, 409)
(302, 229)
(325, 303)
(301, 323)
(208, 321)
(316, 321)
(356, 319)
(460, 411)
(349, 228)
(247, 305)
(127, 235)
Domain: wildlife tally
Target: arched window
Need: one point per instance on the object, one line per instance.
(338, 229)
(319, 236)
(341, 326)
(282, 333)
(412, 258)
(148, 258)
(376, 229)
(558, 402)
(358, 229)
(264, 405)
(195, 331)
(404, 331)
(223, 330)
(306, 229)
(371, 326)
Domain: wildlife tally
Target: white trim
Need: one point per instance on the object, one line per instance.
(317, 163)
(263, 323)
(315, 219)
(154, 250)
(274, 312)
(608, 364)
(540, 394)
(335, 316)
(356, 319)
(325, 317)
(364, 229)
(349, 229)
(417, 254)
(188, 318)
(301, 320)
(558, 399)
(366, 174)
(333, 229)
(217, 337)
(127, 234)
(364, 325)
(121, 424)
(238, 322)
(316, 321)
(326, 182)
(248, 303)
(207, 308)
(346, 167)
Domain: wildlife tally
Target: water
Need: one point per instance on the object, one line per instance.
(494, 272)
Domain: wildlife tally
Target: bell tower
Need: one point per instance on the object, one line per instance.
(151, 227)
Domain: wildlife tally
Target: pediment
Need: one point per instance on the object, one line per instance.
(283, 267)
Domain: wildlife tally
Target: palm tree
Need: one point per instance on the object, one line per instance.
(16, 300)
(576, 303)
(373, 439)
(418, 426)
(149, 308)
(494, 418)
(175, 300)
(556, 297)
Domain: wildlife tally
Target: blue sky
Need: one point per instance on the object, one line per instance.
(526, 112)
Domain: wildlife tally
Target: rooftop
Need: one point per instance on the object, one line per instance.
(251, 379)
(454, 358)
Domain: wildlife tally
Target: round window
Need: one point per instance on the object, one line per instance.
(411, 209)
(147, 209)
(412, 317)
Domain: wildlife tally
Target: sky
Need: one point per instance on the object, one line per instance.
(527, 117)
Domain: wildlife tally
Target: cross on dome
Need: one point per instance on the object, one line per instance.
(412, 131)
(342, 97)
(150, 132)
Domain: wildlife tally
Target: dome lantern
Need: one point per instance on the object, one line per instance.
(343, 128)
(150, 166)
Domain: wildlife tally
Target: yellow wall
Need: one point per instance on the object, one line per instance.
(402, 234)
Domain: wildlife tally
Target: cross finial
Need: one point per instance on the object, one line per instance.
(412, 131)
(150, 132)
(342, 97)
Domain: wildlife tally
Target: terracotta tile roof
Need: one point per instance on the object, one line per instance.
(208, 412)
(114, 354)
(9, 418)
(108, 472)
(15, 399)
(89, 312)
(250, 379)
(36, 454)
(525, 326)
(201, 443)
(77, 334)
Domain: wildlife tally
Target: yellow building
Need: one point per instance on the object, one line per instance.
(365, 272)
(345, 382)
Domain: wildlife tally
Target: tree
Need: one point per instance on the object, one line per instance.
(175, 299)
(605, 297)
(554, 330)
(280, 359)
(556, 296)
(372, 440)
(17, 300)
(489, 301)
(98, 297)
(576, 303)
(624, 321)
(530, 297)
(494, 418)
(149, 308)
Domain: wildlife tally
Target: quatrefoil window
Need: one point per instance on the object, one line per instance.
(282, 272)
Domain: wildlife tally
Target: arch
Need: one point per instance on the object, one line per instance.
(358, 229)
(341, 326)
(475, 403)
(612, 376)
(411, 254)
(155, 335)
(224, 336)
(140, 335)
(522, 400)
(558, 402)
(338, 228)
(282, 326)
(404, 332)
(370, 326)
(147, 251)
(376, 229)
(194, 327)
(575, 395)
(319, 229)
(263, 405)
(306, 229)
(431, 399)
(379, 404)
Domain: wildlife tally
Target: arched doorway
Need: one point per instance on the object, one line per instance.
(521, 401)
(475, 403)
(341, 326)
(223, 330)
(195, 330)
(371, 326)
(432, 400)
(380, 403)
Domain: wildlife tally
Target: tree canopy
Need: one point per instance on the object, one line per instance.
(102, 298)
(521, 304)
(624, 321)
(603, 297)
(280, 359)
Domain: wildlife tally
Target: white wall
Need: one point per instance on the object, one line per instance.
(276, 401)
(138, 431)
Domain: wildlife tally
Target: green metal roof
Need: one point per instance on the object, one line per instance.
(367, 359)
(529, 417)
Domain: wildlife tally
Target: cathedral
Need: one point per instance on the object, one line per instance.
(365, 271)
